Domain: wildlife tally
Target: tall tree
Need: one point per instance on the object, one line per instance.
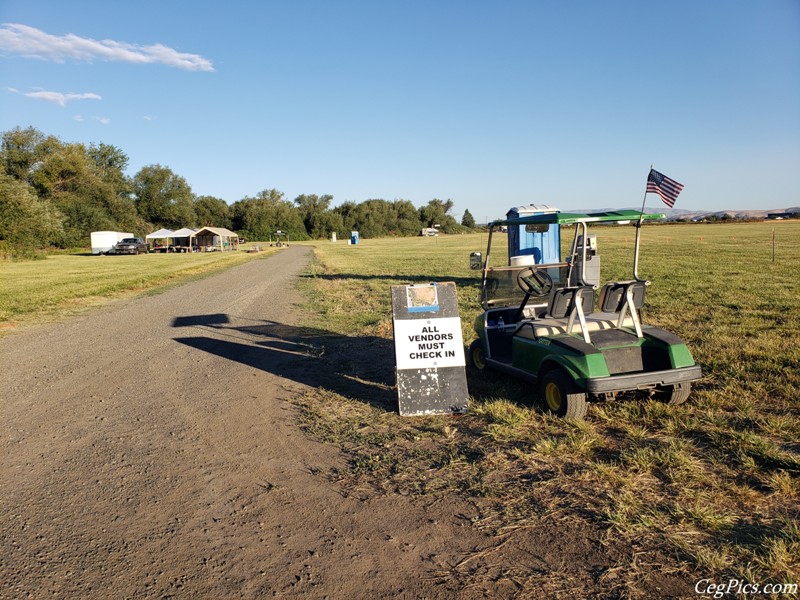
(163, 198)
(212, 211)
(260, 217)
(312, 209)
(468, 220)
(110, 162)
(22, 150)
(27, 223)
(407, 218)
(436, 213)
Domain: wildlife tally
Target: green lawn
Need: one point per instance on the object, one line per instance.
(715, 482)
(42, 290)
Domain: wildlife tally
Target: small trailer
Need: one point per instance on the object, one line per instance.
(103, 241)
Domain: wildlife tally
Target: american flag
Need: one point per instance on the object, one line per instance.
(665, 187)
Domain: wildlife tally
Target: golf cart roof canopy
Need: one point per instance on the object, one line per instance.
(564, 218)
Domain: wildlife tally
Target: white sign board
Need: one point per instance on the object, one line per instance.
(429, 343)
(429, 349)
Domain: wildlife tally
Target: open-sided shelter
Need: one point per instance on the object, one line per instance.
(183, 238)
(216, 238)
(160, 238)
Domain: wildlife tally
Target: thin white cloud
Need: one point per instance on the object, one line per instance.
(78, 118)
(57, 97)
(103, 120)
(33, 43)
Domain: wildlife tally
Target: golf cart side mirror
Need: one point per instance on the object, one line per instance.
(475, 261)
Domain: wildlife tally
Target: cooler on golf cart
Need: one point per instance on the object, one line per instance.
(545, 322)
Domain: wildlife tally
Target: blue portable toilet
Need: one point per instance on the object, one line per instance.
(543, 242)
(353, 237)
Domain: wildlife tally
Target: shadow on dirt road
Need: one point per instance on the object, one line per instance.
(360, 368)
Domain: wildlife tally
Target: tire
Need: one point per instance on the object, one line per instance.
(562, 396)
(677, 394)
(477, 356)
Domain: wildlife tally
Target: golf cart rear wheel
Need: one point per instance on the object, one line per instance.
(677, 394)
(562, 396)
(477, 357)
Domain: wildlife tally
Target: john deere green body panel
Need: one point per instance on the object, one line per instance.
(530, 355)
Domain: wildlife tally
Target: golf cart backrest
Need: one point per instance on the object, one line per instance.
(562, 301)
(613, 296)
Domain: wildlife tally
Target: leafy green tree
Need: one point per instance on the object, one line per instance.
(436, 212)
(69, 180)
(212, 212)
(407, 218)
(373, 218)
(109, 163)
(347, 211)
(22, 150)
(87, 186)
(27, 224)
(260, 217)
(312, 209)
(468, 220)
(377, 217)
(163, 198)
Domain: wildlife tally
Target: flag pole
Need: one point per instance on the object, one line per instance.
(638, 231)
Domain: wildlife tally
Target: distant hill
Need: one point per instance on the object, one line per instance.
(678, 214)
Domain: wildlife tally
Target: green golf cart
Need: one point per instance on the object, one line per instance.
(547, 323)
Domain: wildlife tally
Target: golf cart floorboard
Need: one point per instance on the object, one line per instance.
(506, 367)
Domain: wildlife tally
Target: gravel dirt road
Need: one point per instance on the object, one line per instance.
(150, 451)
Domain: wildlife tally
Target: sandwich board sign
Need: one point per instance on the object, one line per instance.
(429, 349)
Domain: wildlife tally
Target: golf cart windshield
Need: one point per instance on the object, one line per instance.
(501, 287)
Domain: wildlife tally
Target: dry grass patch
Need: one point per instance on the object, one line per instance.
(713, 484)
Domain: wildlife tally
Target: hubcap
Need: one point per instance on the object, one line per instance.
(553, 397)
(478, 358)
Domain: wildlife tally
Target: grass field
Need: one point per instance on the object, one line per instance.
(37, 291)
(715, 482)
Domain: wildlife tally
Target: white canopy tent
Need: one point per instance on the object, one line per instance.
(208, 238)
(164, 236)
(161, 234)
(183, 238)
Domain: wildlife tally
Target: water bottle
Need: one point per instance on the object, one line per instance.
(501, 322)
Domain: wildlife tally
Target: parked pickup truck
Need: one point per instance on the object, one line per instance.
(130, 246)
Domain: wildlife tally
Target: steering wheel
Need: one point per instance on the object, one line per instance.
(534, 282)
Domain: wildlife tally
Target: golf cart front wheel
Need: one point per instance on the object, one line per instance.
(477, 356)
(562, 396)
(677, 394)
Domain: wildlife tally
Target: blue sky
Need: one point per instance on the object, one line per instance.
(491, 105)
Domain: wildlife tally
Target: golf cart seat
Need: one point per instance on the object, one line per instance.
(624, 299)
(613, 296)
(561, 305)
(564, 300)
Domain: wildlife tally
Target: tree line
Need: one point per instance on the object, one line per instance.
(53, 194)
